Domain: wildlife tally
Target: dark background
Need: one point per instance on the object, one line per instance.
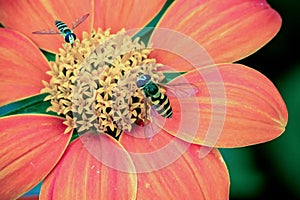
(272, 170)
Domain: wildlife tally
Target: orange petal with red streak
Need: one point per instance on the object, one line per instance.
(238, 106)
(79, 175)
(228, 30)
(188, 175)
(126, 14)
(28, 17)
(30, 146)
(22, 67)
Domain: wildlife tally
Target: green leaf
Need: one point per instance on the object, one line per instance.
(170, 76)
(49, 56)
(146, 32)
(75, 135)
(34, 104)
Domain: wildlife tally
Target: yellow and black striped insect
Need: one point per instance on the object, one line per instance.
(160, 101)
(64, 30)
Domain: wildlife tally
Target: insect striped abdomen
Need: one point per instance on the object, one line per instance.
(162, 105)
(62, 27)
(160, 101)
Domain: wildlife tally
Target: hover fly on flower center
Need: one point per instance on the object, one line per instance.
(64, 30)
(159, 100)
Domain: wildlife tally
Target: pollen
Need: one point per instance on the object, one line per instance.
(93, 83)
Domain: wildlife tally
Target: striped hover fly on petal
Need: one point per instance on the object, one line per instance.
(159, 101)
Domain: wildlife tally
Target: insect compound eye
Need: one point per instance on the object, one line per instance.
(140, 83)
(67, 39)
(142, 80)
(74, 36)
(70, 38)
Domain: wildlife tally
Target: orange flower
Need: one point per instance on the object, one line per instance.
(238, 108)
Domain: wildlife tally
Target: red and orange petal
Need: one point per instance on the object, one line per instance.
(187, 176)
(79, 175)
(128, 14)
(29, 16)
(30, 147)
(29, 198)
(103, 14)
(22, 67)
(238, 106)
(228, 30)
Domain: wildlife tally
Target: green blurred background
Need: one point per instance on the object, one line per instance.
(271, 170)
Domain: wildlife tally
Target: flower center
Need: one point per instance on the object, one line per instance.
(93, 83)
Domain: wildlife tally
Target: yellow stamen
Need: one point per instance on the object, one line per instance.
(94, 82)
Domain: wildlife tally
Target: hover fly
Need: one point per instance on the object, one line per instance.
(64, 30)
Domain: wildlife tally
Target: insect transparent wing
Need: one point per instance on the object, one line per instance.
(49, 31)
(79, 20)
(180, 90)
(152, 128)
(151, 124)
